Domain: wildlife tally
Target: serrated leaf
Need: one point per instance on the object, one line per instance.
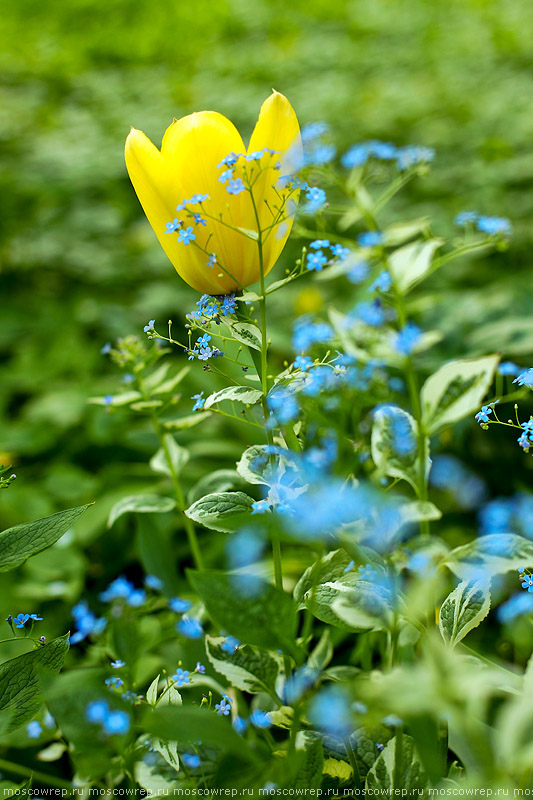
(247, 669)
(340, 770)
(179, 456)
(366, 607)
(463, 610)
(332, 567)
(29, 538)
(419, 511)
(409, 265)
(364, 741)
(259, 614)
(221, 511)
(243, 394)
(494, 554)
(410, 776)
(394, 445)
(246, 333)
(20, 685)
(276, 285)
(141, 504)
(455, 391)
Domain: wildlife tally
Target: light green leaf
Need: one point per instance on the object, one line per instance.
(365, 607)
(123, 399)
(20, 685)
(410, 775)
(248, 669)
(170, 384)
(257, 614)
(184, 423)
(22, 791)
(249, 297)
(403, 231)
(419, 512)
(246, 333)
(395, 445)
(494, 554)
(463, 610)
(179, 456)
(276, 285)
(364, 741)
(455, 391)
(221, 480)
(141, 504)
(221, 511)
(151, 693)
(53, 752)
(309, 772)
(338, 770)
(167, 748)
(411, 263)
(25, 540)
(257, 466)
(244, 394)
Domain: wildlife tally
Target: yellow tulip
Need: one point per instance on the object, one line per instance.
(189, 163)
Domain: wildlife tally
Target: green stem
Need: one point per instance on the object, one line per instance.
(398, 756)
(353, 763)
(178, 491)
(38, 777)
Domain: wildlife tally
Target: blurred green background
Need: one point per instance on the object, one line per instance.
(79, 264)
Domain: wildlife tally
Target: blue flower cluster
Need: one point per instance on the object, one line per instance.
(203, 351)
(186, 235)
(20, 620)
(122, 589)
(508, 515)
(450, 475)
(87, 624)
(525, 379)
(113, 722)
(404, 157)
(525, 440)
(317, 152)
(307, 332)
(190, 628)
(316, 259)
(235, 185)
(407, 339)
(492, 226)
(210, 308)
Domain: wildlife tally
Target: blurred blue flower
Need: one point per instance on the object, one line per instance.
(153, 582)
(191, 760)
(190, 628)
(525, 378)
(370, 239)
(383, 282)
(260, 719)
(407, 339)
(329, 711)
(494, 226)
(283, 404)
(178, 605)
(34, 729)
(508, 368)
(86, 622)
(230, 645)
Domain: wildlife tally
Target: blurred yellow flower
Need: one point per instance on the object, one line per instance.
(210, 201)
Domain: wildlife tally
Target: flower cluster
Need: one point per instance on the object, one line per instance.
(492, 226)
(404, 157)
(113, 722)
(122, 589)
(186, 234)
(210, 308)
(20, 620)
(87, 624)
(203, 351)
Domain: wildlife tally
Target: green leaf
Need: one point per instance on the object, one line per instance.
(151, 692)
(244, 394)
(247, 669)
(214, 482)
(221, 511)
(455, 391)
(20, 685)
(403, 231)
(409, 265)
(193, 724)
(24, 790)
(338, 770)
(165, 747)
(419, 511)
(184, 423)
(258, 466)
(364, 741)
(257, 614)
(141, 504)
(395, 445)
(276, 285)
(246, 333)
(365, 607)
(410, 775)
(463, 610)
(123, 399)
(309, 772)
(170, 384)
(331, 567)
(179, 456)
(494, 554)
(25, 540)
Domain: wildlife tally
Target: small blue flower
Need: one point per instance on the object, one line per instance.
(199, 220)
(186, 235)
(508, 368)
(203, 341)
(330, 712)
(407, 339)
(197, 198)
(118, 664)
(370, 239)
(235, 186)
(383, 282)
(229, 304)
(97, 711)
(200, 400)
(116, 722)
(359, 272)
(370, 313)
(350, 566)
(212, 260)
(230, 645)
(20, 620)
(494, 226)
(114, 683)
(190, 628)
(106, 348)
(34, 729)
(466, 218)
(315, 261)
(314, 130)
(153, 582)
(225, 176)
(229, 161)
(191, 760)
(303, 363)
(319, 243)
(86, 623)
(108, 399)
(317, 199)
(483, 415)
(181, 677)
(240, 725)
(340, 251)
(36, 618)
(525, 378)
(128, 377)
(199, 668)
(283, 404)
(172, 227)
(179, 606)
(411, 155)
(223, 708)
(150, 326)
(260, 719)
(260, 507)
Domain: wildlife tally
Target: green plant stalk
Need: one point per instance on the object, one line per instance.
(353, 763)
(38, 777)
(180, 498)
(398, 755)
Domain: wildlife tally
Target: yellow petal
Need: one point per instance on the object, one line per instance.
(277, 128)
